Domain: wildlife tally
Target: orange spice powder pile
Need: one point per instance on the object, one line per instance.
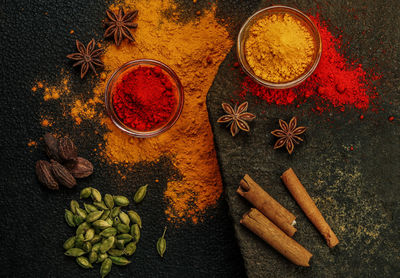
(194, 50)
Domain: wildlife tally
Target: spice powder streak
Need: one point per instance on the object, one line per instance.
(194, 50)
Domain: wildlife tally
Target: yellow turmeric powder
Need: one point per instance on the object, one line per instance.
(53, 91)
(194, 50)
(279, 48)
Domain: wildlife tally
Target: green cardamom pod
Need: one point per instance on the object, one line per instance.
(140, 194)
(115, 252)
(107, 244)
(93, 216)
(69, 243)
(69, 218)
(116, 221)
(109, 201)
(119, 260)
(101, 224)
(89, 208)
(115, 212)
(108, 232)
(130, 248)
(84, 262)
(96, 196)
(96, 239)
(78, 220)
(87, 247)
(82, 228)
(86, 192)
(89, 235)
(96, 247)
(121, 201)
(74, 205)
(125, 237)
(135, 232)
(124, 218)
(105, 267)
(82, 213)
(123, 228)
(100, 205)
(105, 214)
(135, 218)
(79, 240)
(109, 221)
(101, 257)
(119, 244)
(92, 256)
(162, 244)
(74, 252)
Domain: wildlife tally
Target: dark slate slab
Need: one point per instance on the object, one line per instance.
(356, 190)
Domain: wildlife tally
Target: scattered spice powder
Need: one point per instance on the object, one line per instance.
(186, 48)
(335, 83)
(53, 91)
(279, 48)
(85, 110)
(32, 143)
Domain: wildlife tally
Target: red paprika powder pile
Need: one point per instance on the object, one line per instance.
(144, 98)
(335, 83)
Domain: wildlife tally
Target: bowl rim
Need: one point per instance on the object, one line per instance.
(110, 109)
(301, 78)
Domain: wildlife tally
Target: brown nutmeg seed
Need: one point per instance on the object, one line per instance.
(67, 149)
(80, 167)
(62, 175)
(51, 147)
(44, 174)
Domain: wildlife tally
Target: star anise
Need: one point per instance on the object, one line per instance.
(118, 25)
(87, 57)
(288, 134)
(236, 117)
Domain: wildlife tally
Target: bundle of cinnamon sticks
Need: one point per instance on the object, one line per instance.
(275, 224)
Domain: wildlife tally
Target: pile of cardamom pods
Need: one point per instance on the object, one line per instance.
(65, 165)
(105, 233)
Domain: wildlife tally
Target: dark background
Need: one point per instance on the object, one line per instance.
(35, 39)
(356, 190)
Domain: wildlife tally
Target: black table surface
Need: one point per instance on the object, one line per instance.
(33, 47)
(349, 166)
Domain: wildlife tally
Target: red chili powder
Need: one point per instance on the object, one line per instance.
(144, 98)
(335, 83)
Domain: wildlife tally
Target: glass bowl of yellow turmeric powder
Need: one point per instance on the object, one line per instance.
(279, 47)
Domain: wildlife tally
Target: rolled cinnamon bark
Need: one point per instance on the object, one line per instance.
(304, 200)
(255, 221)
(281, 217)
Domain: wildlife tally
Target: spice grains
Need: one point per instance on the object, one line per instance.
(279, 48)
(194, 50)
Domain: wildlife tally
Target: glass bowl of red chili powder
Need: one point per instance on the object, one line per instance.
(144, 98)
(279, 38)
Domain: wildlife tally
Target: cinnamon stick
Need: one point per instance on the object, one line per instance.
(304, 200)
(281, 217)
(255, 221)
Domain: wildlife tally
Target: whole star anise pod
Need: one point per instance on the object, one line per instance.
(288, 134)
(87, 57)
(119, 24)
(236, 117)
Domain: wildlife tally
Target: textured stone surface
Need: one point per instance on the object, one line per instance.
(357, 191)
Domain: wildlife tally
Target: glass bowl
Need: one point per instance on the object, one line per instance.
(178, 89)
(244, 32)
